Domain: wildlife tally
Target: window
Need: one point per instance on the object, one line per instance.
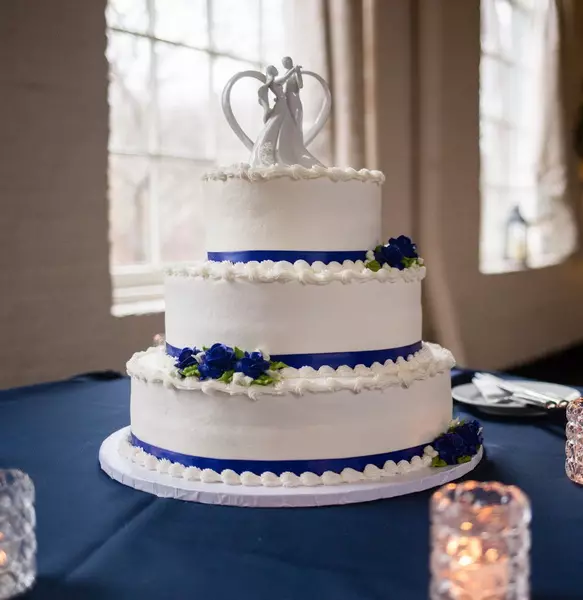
(169, 61)
(519, 107)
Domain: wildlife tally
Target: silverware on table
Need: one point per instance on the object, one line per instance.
(516, 388)
(492, 393)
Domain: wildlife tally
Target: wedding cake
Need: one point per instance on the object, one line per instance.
(293, 354)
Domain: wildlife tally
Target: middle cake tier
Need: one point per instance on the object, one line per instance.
(296, 309)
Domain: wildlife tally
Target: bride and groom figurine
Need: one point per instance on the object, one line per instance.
(282, 140)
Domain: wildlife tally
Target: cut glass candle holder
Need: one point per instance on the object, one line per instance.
(17, 533)
(574, 444)
(480, 542)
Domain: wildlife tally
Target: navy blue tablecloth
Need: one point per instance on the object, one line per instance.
(100, 539)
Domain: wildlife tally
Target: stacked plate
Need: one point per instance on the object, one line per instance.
(520, 398)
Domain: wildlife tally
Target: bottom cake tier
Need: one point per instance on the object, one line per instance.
(317, 427)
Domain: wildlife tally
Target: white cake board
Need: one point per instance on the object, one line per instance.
(166, 486)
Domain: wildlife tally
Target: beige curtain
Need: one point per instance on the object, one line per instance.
(570, 83)
(344, 22)
(560, 195)
(335, 39)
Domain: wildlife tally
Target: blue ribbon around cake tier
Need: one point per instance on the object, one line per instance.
(310, 256)
(317, 466)
(333, 359)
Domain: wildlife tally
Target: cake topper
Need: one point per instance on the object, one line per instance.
(282, 139)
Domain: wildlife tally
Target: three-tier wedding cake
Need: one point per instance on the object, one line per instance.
(293, 355)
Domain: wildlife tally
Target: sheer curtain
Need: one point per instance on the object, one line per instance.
(525, 113)
(559, 199)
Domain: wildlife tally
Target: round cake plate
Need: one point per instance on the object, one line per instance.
(166, 486)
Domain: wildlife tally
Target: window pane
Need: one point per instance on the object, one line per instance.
(228, 148)
(183, 101)
(493, 79)
(273, 30)
(181, 231)
(489, 27)
(131, 15)
(494, 150)
(129, 94)
(521, 159)
(182, 21)
(496, 207)
(236, 28)
(128, 209)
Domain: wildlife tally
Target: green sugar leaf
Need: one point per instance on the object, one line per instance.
(464, 459)
(263, 379)
(378, 248)
(239, 354)
(408, 262)
(277, 365)
(226, 377)
(452, 428)
(205, 348)
(373, 265)
(438, 462)
(191, 371)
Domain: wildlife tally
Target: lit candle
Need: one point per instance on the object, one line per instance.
(17, 536)
(480, 542)
(476, 573)
(574, 444)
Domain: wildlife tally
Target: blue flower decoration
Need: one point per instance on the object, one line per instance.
(471, 433)
(405, 245)
(461, 441)
(217, 360)
(252, 365)
(399, 253)
(186, 358)
(390, 255)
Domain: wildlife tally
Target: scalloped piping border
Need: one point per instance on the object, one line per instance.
(268, 479)
(431, 360)
(316, 274)
(296, 172)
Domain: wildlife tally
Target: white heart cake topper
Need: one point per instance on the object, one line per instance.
(281, 140)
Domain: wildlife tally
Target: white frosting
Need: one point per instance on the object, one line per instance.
(291, 214)
(155, 366)
(258, 174)
(317, 273)
(287, 479)
(359, 412)
(293, 318)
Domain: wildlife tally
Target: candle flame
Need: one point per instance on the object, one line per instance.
(3, 558)
(465, 549)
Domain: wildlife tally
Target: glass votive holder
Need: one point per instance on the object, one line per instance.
(574, 444)
(17, 533)
(480, 542)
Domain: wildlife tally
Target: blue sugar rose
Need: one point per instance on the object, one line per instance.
(252, 365)
(406, 246)
(450, 447)
(217, 360)
(471, 433)
(390, 255)
(186, 358)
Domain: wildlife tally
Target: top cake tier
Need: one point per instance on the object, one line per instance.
(291, 213)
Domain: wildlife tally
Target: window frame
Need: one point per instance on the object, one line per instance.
(491, 263)
(138, 288)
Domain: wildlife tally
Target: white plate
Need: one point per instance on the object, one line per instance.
(165, 486)
(468, 394)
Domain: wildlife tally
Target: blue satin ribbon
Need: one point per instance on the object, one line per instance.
(333, 359)
(317, 466)
(310, 256)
